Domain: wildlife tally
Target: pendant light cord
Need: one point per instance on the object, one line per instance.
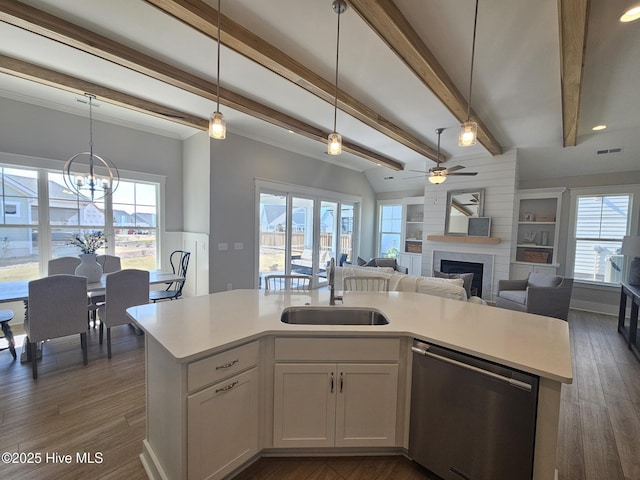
(335, 97)
(218, 73)
(473, 54)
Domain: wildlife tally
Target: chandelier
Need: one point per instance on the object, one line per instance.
(87, 174)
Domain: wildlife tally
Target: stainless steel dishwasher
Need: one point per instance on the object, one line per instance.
(471, 419)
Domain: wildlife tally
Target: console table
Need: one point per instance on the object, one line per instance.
(630, 333)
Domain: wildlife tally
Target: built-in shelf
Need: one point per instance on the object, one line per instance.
(463, 239)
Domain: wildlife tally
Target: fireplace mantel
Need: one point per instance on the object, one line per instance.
(463, 239)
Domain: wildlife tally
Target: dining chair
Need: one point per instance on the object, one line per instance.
(124, 289)
(365, 284)
(62, 265)
(287, 282)
(57, 308)
(109, 264)
(179, 260)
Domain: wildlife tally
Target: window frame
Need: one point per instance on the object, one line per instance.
(43, 166)
(632, 224)
(383, 203)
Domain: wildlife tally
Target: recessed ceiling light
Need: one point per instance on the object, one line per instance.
(632, 14)
(599, 127)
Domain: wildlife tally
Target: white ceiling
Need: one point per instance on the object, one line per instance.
(516, 87)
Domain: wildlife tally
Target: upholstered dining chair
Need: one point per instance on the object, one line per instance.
(62, 265)
(57, 308)
(124, 289)
(179, 260)
(109, 264)
(365, 284)
(548, 295)
(301, 283)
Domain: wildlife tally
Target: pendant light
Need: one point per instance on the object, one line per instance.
(97, 179)
(334, 144)
(469, 130)
(217, 124)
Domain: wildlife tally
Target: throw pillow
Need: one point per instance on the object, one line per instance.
(542, 280)
(385, 262)
(361, 262)
(467, 278)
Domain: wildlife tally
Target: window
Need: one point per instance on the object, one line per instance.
(389, 229)
(36, 205)
(19, 246)
(601, 223)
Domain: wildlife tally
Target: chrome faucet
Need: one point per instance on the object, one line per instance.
(332, 279)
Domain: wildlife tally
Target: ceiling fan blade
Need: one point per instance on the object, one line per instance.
(454, 168)
(469, 174)
(417, 176)
(419, 171)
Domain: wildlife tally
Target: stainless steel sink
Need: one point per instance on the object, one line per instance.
(332, 316)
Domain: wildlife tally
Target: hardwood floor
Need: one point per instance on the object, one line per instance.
(100, 408)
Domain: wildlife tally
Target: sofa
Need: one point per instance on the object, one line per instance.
(399, 282)
(382, 262)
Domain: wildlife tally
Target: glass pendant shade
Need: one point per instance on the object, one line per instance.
(437, 178)
(334, 146)
(217, 126)
(468, 134)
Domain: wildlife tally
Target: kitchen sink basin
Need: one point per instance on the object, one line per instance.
(333, 316)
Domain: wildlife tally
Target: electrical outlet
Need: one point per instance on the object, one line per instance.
(229, 286)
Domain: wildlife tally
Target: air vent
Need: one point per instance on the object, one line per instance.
(609, 150)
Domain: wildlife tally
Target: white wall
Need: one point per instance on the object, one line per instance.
(196, 174)
(496, 175)
(41, 132)
(235, 164)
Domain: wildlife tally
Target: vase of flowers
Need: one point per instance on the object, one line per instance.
(89, 266)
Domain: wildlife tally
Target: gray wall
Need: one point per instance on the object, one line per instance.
(41, 132)
(235, 164)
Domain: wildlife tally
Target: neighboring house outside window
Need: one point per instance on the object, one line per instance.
(601, 220)
(38, 225)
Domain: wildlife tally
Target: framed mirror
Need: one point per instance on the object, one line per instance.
(462, 205)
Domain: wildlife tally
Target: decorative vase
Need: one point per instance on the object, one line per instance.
(89, 267)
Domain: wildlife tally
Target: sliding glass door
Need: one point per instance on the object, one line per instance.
(299, 234)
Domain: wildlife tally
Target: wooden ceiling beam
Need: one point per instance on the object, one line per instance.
(384, 18)
(573, 16)
(54, 28)
(203, 18)
(53, 78)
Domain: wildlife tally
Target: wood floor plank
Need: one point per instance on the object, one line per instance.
(570, 455)
(626, 430)
(601, 457)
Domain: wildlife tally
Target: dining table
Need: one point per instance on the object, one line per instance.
(18, 290)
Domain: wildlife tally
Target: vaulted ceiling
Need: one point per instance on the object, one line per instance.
(545, 73)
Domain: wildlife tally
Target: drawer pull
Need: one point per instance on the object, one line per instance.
(227, 365)
(227, 388)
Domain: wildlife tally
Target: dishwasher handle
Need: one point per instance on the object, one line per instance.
(511, 381)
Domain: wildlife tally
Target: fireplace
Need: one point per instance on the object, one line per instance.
(455, 266)
(486, 260)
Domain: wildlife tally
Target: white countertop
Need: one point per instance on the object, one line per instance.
(194, 327)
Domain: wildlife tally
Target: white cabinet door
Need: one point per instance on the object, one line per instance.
(366, 405)
(326, 405)
(222, 426)
(413, 261)
(304, 405)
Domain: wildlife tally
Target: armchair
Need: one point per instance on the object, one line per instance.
(548, 295)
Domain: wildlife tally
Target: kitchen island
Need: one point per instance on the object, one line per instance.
(218, 367)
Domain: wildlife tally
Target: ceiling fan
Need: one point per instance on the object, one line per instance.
(439, 174)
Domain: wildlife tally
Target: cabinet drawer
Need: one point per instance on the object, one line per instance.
(223, 365)
(337, 349)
